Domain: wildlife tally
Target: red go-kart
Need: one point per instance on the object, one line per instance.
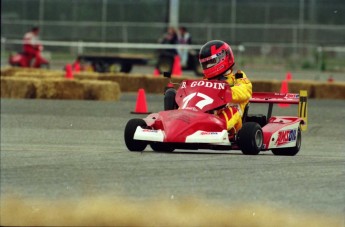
(20, 59)
(188, 122)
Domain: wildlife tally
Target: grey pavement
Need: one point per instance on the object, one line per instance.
(71, 149)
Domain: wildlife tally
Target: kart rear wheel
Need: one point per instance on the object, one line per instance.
(132, 144)
(250, 138)
(161, 147)
(290, 151)
(169, 99)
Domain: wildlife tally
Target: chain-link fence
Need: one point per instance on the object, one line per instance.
(288, 29)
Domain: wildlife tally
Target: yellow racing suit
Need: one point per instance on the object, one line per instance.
(241, 89)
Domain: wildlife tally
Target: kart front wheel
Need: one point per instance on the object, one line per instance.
(131, 143)
(161, 147)
(250, 138)
(290, 151)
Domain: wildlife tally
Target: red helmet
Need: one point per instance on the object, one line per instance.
(216, 58)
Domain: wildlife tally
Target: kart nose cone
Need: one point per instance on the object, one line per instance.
(178, 124)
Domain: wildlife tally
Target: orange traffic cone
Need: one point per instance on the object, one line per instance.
(156, 72)
(141, 105)
(177, 68)
(69, 72)
(284, 89)
(288, 76)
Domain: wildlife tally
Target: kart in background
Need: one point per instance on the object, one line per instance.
(188, 122)
(20, 59)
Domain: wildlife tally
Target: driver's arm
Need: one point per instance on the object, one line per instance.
(242, 87)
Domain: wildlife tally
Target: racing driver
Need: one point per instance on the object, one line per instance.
(217, 61)
(32, 48)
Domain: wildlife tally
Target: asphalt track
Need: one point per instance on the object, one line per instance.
(57, 149)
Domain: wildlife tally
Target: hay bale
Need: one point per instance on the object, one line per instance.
(155, 84)
(11, 71)
(12, 87)
(119, 211)
(262, 85)
(330, 90)
(127, 83)
(180, 79)
(86, 75)
(110, 74)
(133, 82)
(294, 86)
(40, 74)
(101, 90)
(60, 89)
(8, 71)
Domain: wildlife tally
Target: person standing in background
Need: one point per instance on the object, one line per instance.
(184, 39)
(167, 56)
(32, 47)
(170, 37)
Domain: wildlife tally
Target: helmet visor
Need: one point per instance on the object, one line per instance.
(212, 60)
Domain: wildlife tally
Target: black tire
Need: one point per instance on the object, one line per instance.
(99, 67)
(250, 138)
(126, 67)
(132, 144)
(169, 99)
(290, 151)
(161, 147)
